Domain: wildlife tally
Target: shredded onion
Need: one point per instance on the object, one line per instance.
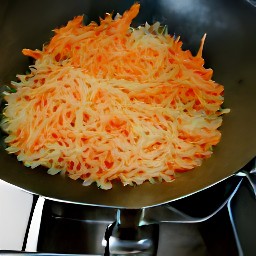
(110, 102)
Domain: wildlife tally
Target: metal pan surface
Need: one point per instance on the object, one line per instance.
(229, 50)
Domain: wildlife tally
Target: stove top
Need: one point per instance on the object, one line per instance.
(217, 221)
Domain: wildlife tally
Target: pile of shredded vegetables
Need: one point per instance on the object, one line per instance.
(108, 102)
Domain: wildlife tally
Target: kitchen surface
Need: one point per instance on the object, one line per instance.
(217, 221)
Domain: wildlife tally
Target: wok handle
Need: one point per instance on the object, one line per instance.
(126, 236)
(241, 217)
(250, 174)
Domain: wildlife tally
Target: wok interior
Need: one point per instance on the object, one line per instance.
(231, 38)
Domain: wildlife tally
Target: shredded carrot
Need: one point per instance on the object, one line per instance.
(108, 102)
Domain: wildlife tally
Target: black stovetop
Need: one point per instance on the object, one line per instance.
(224, 224)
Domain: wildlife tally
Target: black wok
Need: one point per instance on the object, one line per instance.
(229, 50)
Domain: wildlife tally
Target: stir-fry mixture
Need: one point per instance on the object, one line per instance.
(107, 102)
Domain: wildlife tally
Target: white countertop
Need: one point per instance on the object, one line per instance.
(15, 207)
